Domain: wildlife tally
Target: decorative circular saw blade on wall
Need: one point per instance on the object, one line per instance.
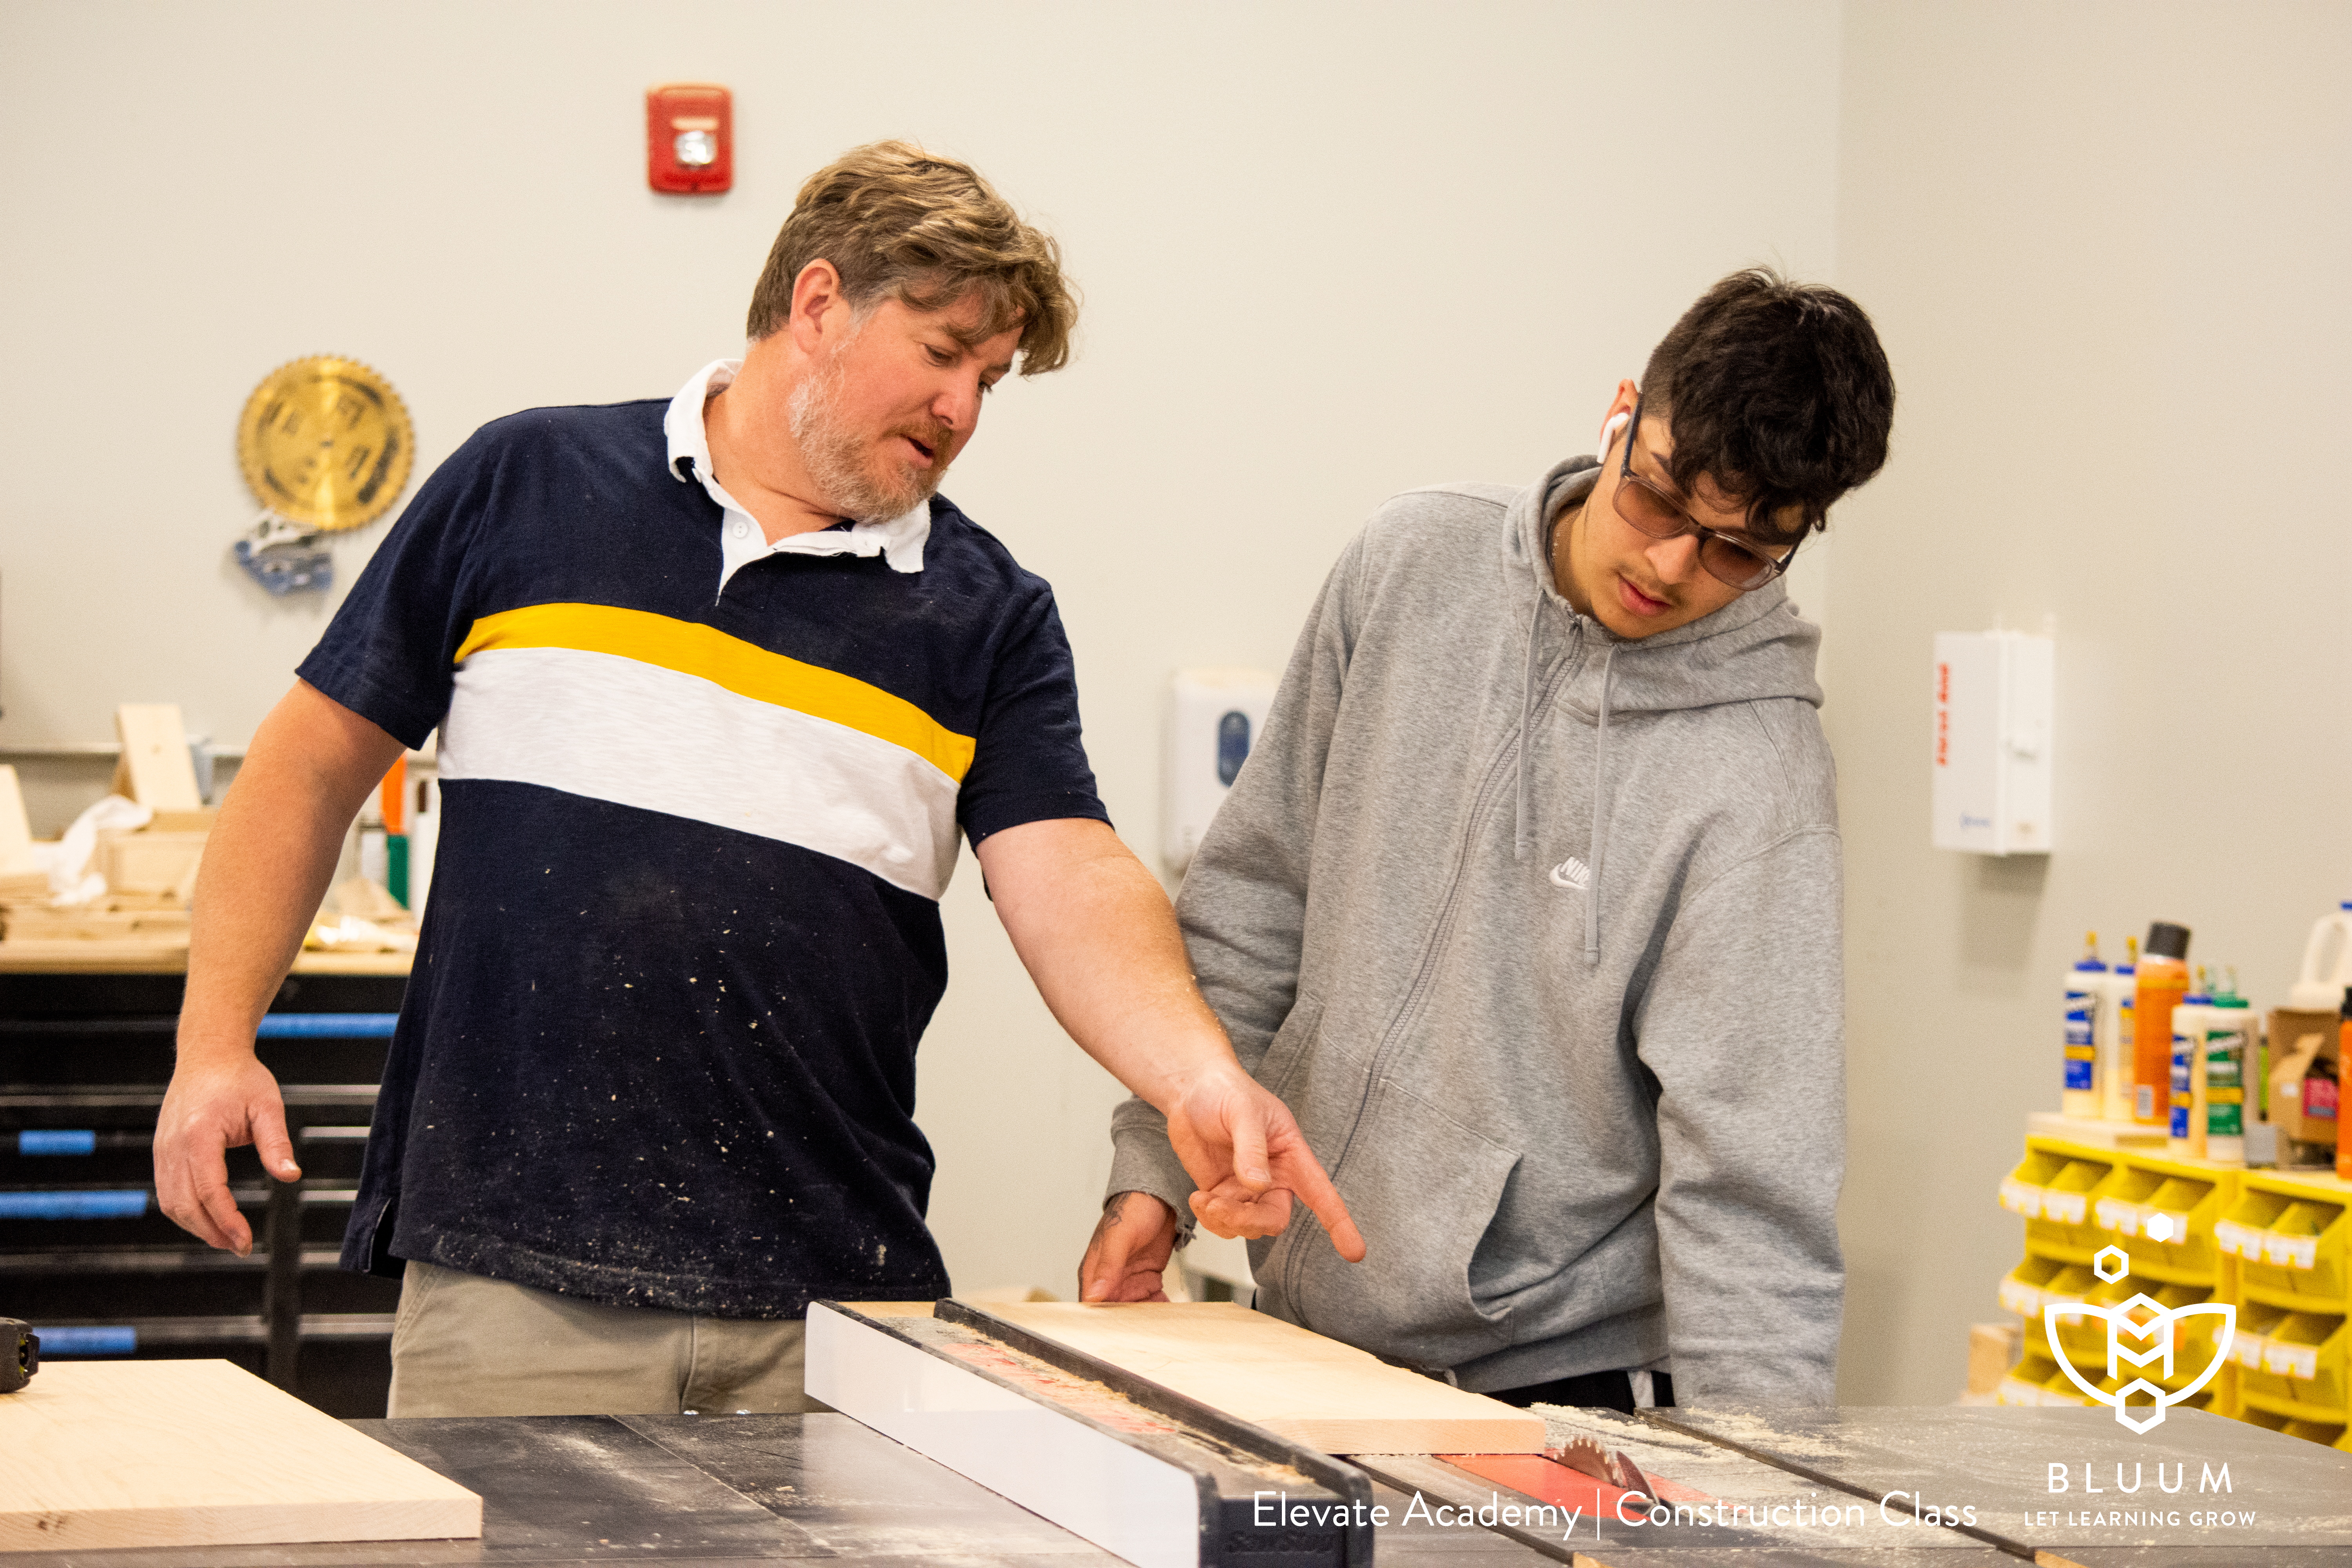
(325, 442)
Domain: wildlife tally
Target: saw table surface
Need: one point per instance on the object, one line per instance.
(745, 1489)
(564, 1490)
(2070, 1486)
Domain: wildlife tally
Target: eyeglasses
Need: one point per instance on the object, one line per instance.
(1653, 511)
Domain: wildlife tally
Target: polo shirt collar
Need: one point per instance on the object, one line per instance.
(898, 540)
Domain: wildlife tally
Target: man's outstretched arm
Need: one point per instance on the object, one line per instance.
(266, 867)
(1101, 943)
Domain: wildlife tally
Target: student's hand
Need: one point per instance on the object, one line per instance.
(1246, 1155)
(1129, 1253)
(213, 1106)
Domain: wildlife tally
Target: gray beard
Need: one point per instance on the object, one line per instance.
(830, 455)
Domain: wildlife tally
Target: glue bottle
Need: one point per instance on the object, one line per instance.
(2184, 1127)
(2085, 1006)
(2229, 1049)
(2327, 962)
(2116, 1035)
(2160, 980)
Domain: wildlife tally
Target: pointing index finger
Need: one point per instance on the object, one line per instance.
(1303, 1175)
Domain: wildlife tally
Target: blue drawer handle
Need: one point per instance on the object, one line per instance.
(87, 1341)
(327, 1026)
(57, 1141)
(73, 1205)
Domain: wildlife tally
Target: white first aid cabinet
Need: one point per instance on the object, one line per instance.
(1993, 741)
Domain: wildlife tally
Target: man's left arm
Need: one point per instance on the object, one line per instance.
(1098, 938)
(1743, 1023)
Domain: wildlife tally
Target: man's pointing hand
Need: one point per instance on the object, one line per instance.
(1246, 1153)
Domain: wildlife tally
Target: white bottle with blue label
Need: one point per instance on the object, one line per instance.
(2086, 998)
(2116, 1042)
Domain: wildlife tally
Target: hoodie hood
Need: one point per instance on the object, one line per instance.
(1753, 648)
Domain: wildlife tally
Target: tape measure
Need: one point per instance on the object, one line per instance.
(20, 1354)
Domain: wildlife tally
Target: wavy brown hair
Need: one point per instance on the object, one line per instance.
(1776, 391)
(899, 223)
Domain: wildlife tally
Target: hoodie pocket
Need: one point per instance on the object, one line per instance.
(1423, 1189)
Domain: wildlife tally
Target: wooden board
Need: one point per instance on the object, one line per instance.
(16, 829)
(155, 760)
(104, 1454)
(141, 956)
(1309, 1389)
(38, 924)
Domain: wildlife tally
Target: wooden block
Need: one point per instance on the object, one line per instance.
(200, 821)
(147, 862)
(108, 1454)
(892, 1309)
(1992, 1351)
(16, 828)
(1309, 1389)
(155, 756)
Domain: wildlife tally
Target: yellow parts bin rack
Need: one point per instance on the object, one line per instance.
(2277, 1244)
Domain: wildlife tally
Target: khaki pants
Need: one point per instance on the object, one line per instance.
(465, 1345)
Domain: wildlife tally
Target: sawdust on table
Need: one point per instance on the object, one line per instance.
(1100, 1401)
(1743, 1427)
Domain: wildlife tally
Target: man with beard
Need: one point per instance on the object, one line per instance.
(719, 679)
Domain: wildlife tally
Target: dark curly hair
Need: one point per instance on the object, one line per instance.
(1778, 392)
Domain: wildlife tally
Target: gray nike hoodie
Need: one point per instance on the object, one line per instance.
(1536, 929)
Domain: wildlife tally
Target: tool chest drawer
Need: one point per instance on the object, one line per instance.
(89, 1259)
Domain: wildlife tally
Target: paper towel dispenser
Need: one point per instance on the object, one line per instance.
(1214, 719)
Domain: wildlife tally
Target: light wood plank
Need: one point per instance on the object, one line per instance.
(16, 828)
(102, 1455)
(141, 956)
(155, 756)
(1310, 1389)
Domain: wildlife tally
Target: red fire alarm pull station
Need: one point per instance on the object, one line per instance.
(689, 139)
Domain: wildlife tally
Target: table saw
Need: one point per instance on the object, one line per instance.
(1090, 1448)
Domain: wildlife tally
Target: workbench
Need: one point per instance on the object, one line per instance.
(747, 1489)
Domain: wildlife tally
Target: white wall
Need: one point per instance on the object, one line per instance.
(2106, 245)
(1328, 251)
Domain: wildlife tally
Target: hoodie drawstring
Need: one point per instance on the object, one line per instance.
(1521, 833)
(1600, 815)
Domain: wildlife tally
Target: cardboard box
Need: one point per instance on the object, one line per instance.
(2289, 1028)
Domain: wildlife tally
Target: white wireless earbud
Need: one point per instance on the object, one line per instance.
(1609, 431)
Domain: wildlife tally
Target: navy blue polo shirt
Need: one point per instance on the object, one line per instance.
(698, 808)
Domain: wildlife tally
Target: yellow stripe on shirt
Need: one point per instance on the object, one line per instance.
(731, 662)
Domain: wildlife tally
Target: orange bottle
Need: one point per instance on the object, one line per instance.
(2160, 980)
